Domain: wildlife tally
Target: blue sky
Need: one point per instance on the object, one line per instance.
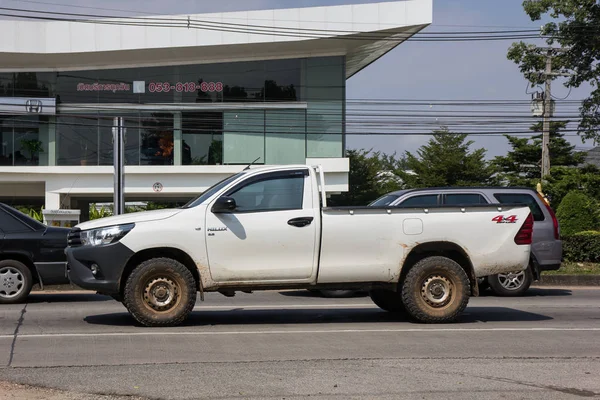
(414, 70)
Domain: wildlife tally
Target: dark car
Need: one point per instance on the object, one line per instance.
(30, 252)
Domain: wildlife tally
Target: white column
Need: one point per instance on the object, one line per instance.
(177, 135)
(52, 201)
(52, 141)
(177, 139)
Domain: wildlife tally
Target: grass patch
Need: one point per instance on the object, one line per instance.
(576, 268)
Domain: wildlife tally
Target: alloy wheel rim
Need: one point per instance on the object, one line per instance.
(512, 280)
(12, 282)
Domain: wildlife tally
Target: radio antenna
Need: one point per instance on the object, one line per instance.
(252, 163)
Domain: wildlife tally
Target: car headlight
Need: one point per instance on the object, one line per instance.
(107, 235)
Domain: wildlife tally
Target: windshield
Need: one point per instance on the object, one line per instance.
(212, 190)
(26, 219)
(384, 201)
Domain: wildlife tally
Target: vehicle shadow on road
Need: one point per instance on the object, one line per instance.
(309, 293)
(65, 298)
(319, 316)
(532, 292)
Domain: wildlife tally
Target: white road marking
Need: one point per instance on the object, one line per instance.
(159, 332)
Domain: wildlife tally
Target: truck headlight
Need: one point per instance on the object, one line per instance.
(107, 235)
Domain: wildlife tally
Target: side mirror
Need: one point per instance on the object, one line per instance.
(224, 204)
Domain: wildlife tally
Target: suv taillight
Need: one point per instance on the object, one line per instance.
(553, 216)
(525, 234)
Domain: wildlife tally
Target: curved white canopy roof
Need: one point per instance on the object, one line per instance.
(61, 45)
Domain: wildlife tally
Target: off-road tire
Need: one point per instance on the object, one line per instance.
(26, 283)
(143, 275)
(387, 300)
(500, 290)
(433, 268)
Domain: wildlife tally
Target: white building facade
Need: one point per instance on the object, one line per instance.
(201, 97)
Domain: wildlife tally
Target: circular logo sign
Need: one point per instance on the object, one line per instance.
(157, 187)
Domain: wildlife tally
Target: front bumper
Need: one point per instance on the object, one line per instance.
(110, 259)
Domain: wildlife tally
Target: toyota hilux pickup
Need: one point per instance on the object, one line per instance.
(269, 228)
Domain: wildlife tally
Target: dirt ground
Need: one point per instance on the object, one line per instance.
(11, 391)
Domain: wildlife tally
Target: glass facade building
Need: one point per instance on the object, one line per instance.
(273, 111)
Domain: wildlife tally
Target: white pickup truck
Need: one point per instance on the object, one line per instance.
(270, 228)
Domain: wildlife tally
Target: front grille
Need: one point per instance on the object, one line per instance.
(74, 237)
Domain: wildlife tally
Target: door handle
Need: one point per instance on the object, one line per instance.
(300, 222)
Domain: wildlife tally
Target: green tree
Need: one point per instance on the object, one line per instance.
(372, 174)
(522, 164)
(447, 160)
(576, 213)
(563, 180)
(574, 27)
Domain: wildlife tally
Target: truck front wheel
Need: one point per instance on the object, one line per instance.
(160, 292)
(436, 289)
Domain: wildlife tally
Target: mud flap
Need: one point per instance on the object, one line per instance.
(535, 268)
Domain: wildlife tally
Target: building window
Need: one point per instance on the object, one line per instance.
(202, 138)
(240, 135)
(157, 140)
(78, 139)
(24, 140)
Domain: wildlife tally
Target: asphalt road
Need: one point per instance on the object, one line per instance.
(294, 345)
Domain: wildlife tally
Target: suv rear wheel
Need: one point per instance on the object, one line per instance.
(512, 283)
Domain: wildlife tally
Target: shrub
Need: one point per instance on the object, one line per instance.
(96, 213)
(576, 213)
(582, 247)
(32, 212)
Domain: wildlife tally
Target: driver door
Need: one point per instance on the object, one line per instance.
(271, 235)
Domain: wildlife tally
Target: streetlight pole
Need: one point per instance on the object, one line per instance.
(119, 165)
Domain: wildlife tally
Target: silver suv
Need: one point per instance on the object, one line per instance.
(546, 247)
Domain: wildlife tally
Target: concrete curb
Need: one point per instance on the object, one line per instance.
(569, 280)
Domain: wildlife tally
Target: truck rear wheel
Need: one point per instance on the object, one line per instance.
(436, 289)
(387, 300)
(160, 292)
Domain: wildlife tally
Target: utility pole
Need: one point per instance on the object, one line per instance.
(119, 165)
(547, 107)
(547, 116)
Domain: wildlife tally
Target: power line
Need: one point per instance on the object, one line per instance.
(278, 31)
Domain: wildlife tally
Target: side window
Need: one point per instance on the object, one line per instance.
(523, 198)
(424, 200)
(384, 201)
(464, 199)
(9, 224)
(281, 193)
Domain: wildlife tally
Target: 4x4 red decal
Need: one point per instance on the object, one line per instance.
(501, 219)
